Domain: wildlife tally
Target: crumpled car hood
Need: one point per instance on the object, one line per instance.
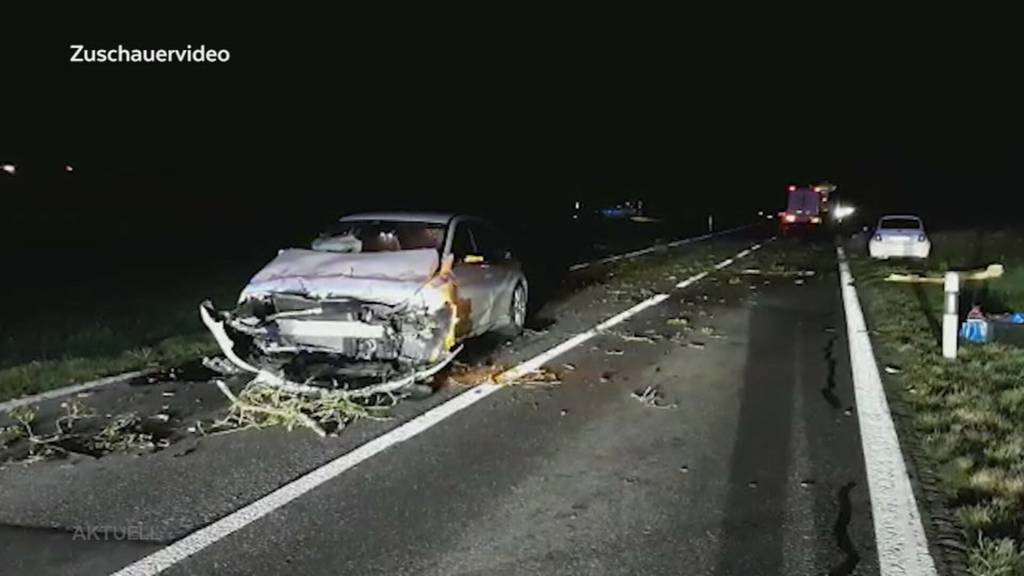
(384, 277)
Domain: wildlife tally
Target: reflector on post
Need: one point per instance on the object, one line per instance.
(950, 317)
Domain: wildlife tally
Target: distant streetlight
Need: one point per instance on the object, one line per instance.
(9, 168)
(69, 168)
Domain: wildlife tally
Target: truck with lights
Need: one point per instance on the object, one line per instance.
(803, 210)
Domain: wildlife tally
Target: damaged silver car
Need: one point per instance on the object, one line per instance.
(378, 302)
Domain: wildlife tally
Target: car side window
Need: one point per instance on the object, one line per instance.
(488, 241)
(483, 239)
(462, 243)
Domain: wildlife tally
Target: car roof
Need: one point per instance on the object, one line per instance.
(429, 217)
(899, 216)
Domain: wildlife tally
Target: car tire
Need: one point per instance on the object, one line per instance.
(517, 311)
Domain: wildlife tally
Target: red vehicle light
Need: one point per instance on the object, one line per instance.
(792, 188)
(790, 218)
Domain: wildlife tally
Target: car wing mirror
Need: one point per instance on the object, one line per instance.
(473, 259)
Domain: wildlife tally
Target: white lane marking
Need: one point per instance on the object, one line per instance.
(193, 543)
(650, 249)
(723, 263)
(692, 279)
(899, 534)
(73, 389)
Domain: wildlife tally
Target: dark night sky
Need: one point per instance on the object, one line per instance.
(300, 127)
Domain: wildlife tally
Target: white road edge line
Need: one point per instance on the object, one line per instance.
(649, 249)
(193, 543)
(899, 535)
(73, 389)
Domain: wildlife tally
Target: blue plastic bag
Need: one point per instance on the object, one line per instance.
(974, 331)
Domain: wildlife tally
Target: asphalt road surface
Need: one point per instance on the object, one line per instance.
(744, 458)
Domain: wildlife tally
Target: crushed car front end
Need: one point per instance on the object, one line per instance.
(342, 320)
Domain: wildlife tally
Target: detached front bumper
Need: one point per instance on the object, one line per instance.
(882, 249)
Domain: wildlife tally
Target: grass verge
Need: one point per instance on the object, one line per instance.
(79, 331)
(967, 414)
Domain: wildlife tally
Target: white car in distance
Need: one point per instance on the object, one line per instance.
(899, 236)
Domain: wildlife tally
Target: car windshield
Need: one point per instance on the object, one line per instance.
(380, 236)
(899, 223)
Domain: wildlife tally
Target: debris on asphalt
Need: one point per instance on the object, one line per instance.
(122, 434)
(538, 377)
(79, 430)
(73, 412)
(684, 469)
(221, 365)
(632, 337)
(614, 352)
(678, 321)
(569, 367)
(652, 397)
(891, 369)
(733, 280)
(696, 345)
(325, 412)
(461, 374)
(798, 281)
(777, 270)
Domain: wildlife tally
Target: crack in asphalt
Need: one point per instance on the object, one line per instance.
(842, 536)
(830, 381)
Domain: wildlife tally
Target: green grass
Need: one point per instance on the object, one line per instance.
(989, 557)
(968, 414)
(86, 330)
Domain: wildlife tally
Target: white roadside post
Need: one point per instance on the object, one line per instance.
(951, 317)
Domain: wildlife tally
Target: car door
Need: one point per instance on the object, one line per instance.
(502, 269)
(498, 273)
(473, 279)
